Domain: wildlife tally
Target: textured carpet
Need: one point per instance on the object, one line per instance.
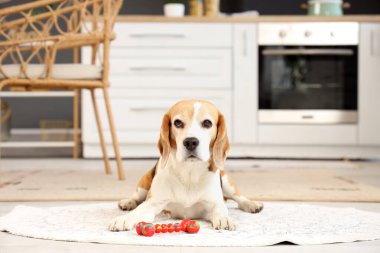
(298, 184)
(278, 222)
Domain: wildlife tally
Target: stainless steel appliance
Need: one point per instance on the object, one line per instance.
(308, 72)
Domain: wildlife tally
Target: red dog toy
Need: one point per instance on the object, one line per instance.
(186, 225)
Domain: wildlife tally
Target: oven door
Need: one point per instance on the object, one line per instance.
(308, 84)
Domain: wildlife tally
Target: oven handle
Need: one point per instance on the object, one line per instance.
(344, 52)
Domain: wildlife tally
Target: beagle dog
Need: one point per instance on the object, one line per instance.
(189, 180)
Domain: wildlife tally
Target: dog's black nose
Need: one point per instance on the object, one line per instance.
(191, 143)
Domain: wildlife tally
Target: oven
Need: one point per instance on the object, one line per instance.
(308, 73)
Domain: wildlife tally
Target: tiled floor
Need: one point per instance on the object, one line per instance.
(365, 171)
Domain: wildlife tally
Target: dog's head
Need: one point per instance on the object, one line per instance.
(194, 131)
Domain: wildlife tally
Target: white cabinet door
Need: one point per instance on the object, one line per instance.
(245, 87)
(369, 84)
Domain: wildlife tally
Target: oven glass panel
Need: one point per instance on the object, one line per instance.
(308, 77)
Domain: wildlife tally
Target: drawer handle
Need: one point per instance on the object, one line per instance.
(245, 44)
(174, 69)
(158, 35)
(371, 45)
(141, 109)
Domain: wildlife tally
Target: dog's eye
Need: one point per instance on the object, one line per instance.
(206, 123)
(178, 123)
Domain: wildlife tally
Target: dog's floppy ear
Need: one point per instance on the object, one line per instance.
(164, 141)
(221, 144)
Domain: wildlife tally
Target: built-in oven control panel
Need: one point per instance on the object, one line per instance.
(310, 33)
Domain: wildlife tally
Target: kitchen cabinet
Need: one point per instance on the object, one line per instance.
(369, 84)
(245, 92)
(153, 66)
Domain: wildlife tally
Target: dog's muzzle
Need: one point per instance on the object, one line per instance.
(191, 143)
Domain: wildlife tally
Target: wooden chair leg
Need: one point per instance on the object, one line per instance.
(100, 131)
(76, 109)
(76, 124)
(113, 134)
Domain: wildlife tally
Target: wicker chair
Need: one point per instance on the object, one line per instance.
(32, 34)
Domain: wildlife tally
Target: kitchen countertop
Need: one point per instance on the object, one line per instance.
(245, 19)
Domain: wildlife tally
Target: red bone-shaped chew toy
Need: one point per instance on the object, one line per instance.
(186, 225)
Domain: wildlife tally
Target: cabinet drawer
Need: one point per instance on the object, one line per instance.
(138, 113)
(173, 35)
(174, 68)
(308, 134)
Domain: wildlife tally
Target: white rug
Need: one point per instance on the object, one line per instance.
(297, 223)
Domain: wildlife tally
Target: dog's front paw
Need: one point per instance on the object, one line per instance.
(219, 222)
(121, 223)
(251, 206)
(127, 204)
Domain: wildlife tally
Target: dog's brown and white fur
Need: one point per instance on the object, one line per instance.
(189, 180)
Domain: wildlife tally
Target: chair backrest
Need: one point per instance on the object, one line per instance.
(34, 32)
